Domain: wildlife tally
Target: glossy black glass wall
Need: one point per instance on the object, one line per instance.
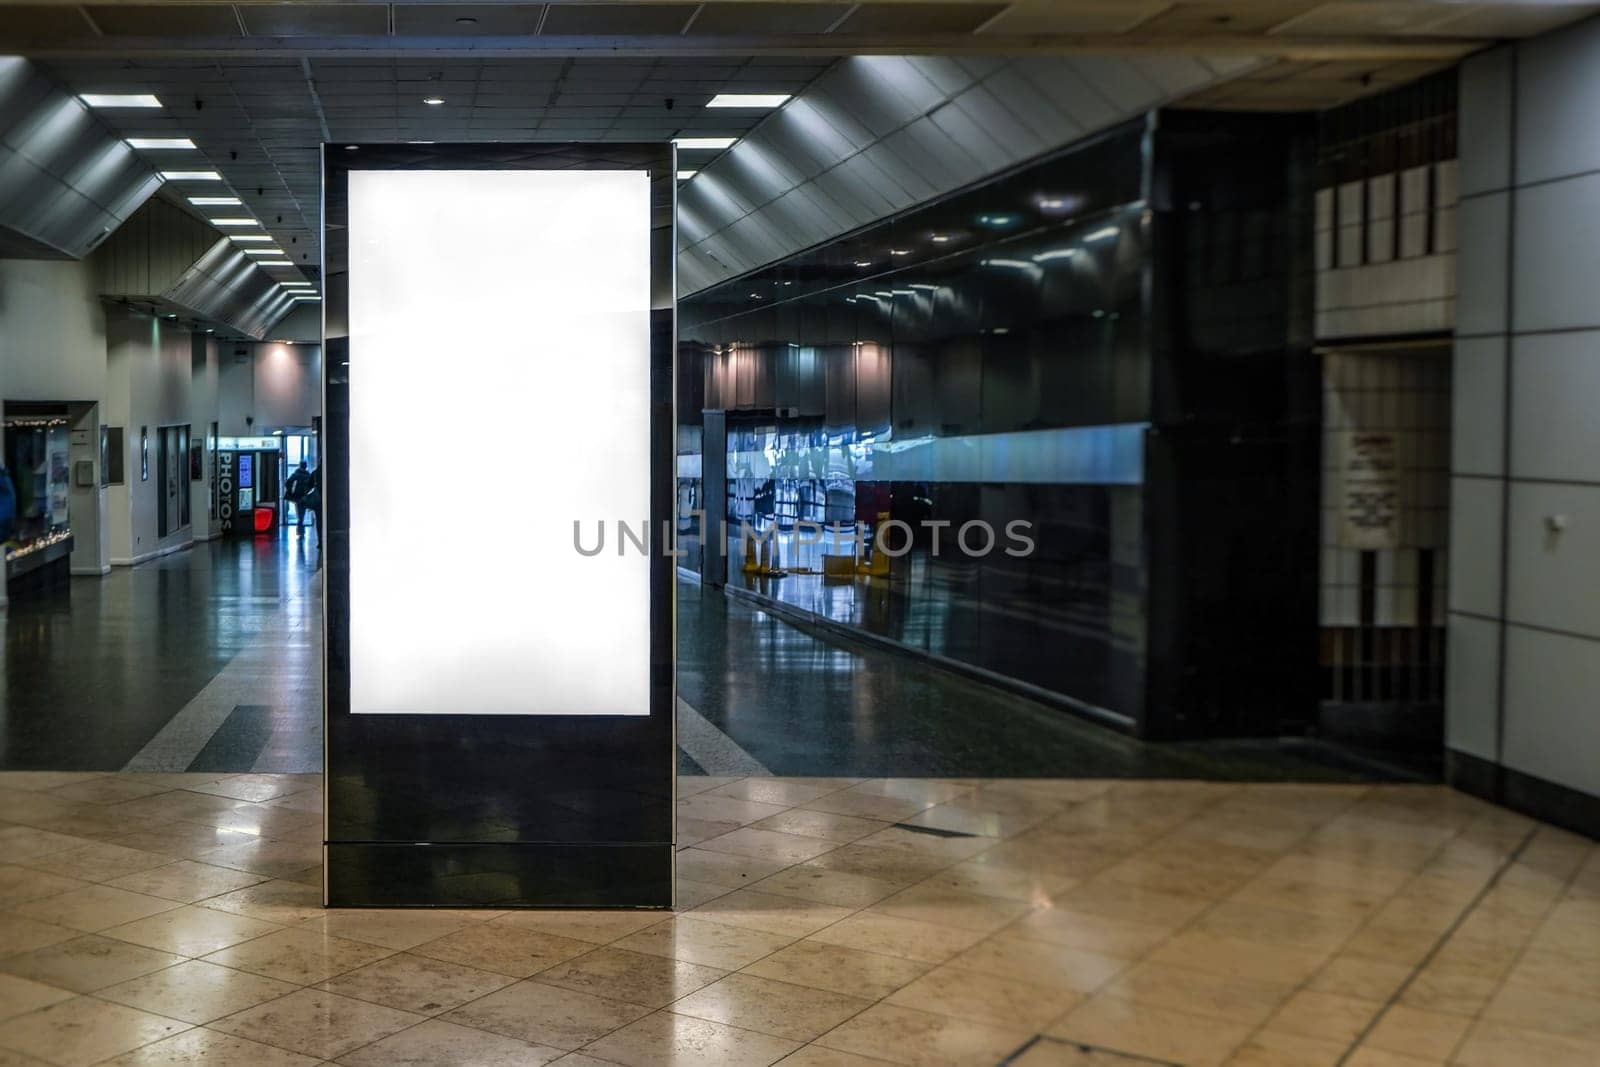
(1032, 349)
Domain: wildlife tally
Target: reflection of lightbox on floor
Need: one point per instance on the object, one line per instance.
(498, 356)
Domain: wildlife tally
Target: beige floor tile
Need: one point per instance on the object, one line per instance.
(547, 1015)
(901, 866)
(690, 894)
(729, 869)
(112, 789)
(769, 845)
(770, 913)
(282, 902)
(21, 995)
(503, 949)
(1238, 1000)
(903, 1035)
(1278, 926)
(436, 1043)
(1009, 956)
(934, 903)
(1270, 1048)
(636, 977)
(209, 1048)
(840, 829)
(416, 984)
(46, 780)
(399, 928)
(83, 1030)
(690, 784)
(1114, 900)
(315, 1023)
(986, 998)
(693, 831)
(989, 879)
(196, 992)
(932, 845)
(927, 791)
(969, 816)
(191, 931)
(271, 859)
(707, 943)
(1557, 972)
(595, 927)
(1352, 976)
(19, 844)
(1328, 1016)
(1150, 1030)
(817, 1056)
(186, 881)
(780, 1009)
(94, 908)
(1071, 929)
(252, 787)
(97, 862)
(1495, 1044)
(714, 807)
(1243, 959)
(1547, 1012)
(87, 963)
(893, 936)
(839, 888)
(299, 956)
(1367, 1056)
(18, 934)
(866, 805)
(37, 809)
(785, 792)
(1425, 1034)
(838, 969)
(668, 1040)
(21, 884)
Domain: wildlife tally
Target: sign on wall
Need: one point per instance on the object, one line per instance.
(1370, 491)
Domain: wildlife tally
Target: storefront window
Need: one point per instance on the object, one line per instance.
(37, 461)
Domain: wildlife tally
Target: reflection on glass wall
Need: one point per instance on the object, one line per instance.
(934, 430)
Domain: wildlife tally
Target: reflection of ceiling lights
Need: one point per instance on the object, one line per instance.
(191, 176)
(1101, 235)
(433, 101)
(863, 262)
(899, 251)
(1055, 253)
(120, 100)
(767, 100)
(214, 201)
(709, 144)
(998, 222)
(940, 238)
(160, 142)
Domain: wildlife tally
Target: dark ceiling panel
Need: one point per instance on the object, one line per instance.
(738, 18)
(919, 18)
(165, 20)
(444, 20)
(617, 20)
(26, 21)
(315, 20)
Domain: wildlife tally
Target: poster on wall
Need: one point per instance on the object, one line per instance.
(1370, 493)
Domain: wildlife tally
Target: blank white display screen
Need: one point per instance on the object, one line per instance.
(499, 391)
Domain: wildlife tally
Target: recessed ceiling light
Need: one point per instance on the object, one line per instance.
(307, 298)
(191, 176)
(685, 175)
(351, 147)
(263, 251)
(419, 142)
(240, 221)
(863, 263)
(749, 100)
(940, 238)
(703, 143)
(214, 201)
(433, 101)
(120, 100)
(160, 142)
(273, 263)
(899, 251)
(250, 238)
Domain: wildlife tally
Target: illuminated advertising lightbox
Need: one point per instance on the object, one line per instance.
(499, 332)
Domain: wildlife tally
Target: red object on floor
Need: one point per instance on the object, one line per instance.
(263, 518)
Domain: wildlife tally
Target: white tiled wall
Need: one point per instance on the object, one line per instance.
(1530, 172)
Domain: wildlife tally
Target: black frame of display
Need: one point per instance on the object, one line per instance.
(489, 810)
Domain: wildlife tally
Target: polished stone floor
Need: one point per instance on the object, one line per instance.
(209, 661)
(171, 919)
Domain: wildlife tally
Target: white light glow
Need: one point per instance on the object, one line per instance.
(273, 263)
(240, 221)
(767, 100)
(215, 201)
(685, 175)
(120, 100)
(565, 256)
(705, 143)
(1102, 235)
(263, 251)
(191, 176)
(160, 142)
(249, 238)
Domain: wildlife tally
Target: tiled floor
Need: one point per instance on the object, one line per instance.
(167, 919)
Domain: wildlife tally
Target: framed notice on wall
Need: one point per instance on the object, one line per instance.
(1370, 490)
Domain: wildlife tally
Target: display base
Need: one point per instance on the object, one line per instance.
(496, 875)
